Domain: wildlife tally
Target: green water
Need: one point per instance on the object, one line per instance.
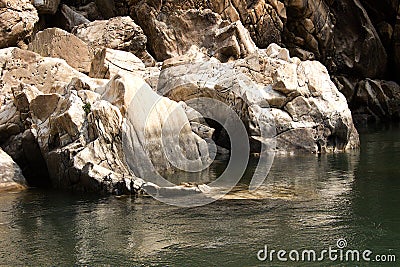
(307, 202)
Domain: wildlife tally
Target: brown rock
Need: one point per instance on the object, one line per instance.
(61, 44)
(17, 20)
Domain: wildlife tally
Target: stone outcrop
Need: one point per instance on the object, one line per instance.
(309, 112)
(17, 20)
(61, 44)
(120, 33)
(70, 102)
(173, 35)
(58, 113)
(350, 45)
(11, 177)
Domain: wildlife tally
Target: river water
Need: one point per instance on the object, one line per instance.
(307, 202)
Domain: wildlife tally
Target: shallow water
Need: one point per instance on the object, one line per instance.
(307, 202)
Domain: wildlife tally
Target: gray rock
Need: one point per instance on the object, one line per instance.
(72, 17)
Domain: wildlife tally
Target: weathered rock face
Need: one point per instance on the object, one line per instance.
(376, 100)
(349, 45)
(73, 126)
(46, 74)
(256, 16)
(11, 177)
(57, 113)
(173, 34)
(120, 33)
(61, 44)
(157, 130)
(17, 19)
(396, 47)
(309, 112)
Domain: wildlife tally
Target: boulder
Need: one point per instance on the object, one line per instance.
(11, 177)
(61, 44)
(157, 132)
(309, 113)
(119, 33)
(46, 74)
(174, 34)
(17, 20)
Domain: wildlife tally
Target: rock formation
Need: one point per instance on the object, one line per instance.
(120, 33)
(88, 74)
(309, 112)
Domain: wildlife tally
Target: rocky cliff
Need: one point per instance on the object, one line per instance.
(81, 81)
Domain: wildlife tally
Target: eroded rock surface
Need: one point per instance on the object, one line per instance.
(120, 33)
(309, 112)
(17, 20)
(61, 44)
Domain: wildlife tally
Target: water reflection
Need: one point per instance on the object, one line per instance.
(306, 202)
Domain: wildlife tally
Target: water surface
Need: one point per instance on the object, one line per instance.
(307, 202)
